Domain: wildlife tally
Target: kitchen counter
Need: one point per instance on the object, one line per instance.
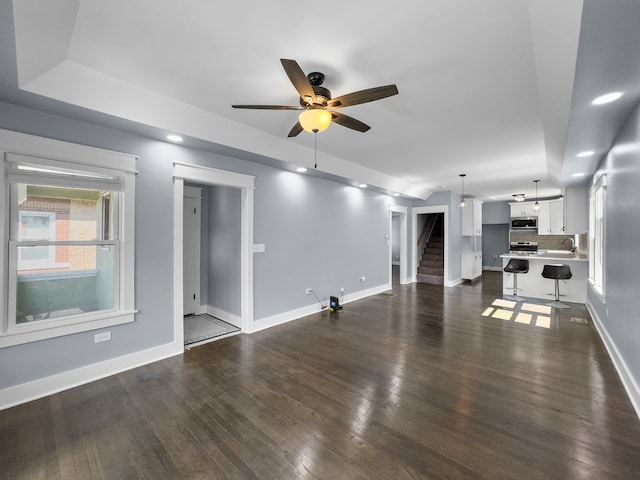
(534, 285)
(562, 255)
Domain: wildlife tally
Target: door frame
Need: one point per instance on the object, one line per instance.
(402, 212)
(196, 194)
(213, 176)
(444, 209)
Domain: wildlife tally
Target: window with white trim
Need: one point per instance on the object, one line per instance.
(69, 243)
(597, 209)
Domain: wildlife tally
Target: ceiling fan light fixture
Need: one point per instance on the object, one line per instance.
(315, 120)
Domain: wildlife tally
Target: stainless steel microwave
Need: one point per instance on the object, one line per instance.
(524, 223)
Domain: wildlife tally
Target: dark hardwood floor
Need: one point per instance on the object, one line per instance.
(418, 385)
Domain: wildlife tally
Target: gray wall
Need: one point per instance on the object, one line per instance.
(495, 242)
(619, 315)
(318, 234)
(495, 233)
(495, 213)
(223, 248)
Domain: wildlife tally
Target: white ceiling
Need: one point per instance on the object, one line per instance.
(485, 86)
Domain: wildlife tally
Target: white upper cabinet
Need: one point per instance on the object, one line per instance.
(551, 218)
(523, 209)
(472, 217)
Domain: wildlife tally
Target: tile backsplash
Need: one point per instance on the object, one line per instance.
(550, 242)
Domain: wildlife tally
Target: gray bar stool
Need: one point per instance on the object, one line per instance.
(557, 272)
(516, 266)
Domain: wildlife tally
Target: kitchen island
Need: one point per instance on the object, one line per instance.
(534, 285)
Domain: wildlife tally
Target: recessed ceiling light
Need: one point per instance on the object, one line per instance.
(301, 169)
(396, 194)
(609, 97)
(363, 185)
(579, 174)
(174, 138)
(586, 153)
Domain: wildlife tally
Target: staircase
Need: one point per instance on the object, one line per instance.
(431, 268)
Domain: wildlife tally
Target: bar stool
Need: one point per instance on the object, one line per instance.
(516, 266)
(557, 272)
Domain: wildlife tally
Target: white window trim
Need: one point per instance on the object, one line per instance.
(597, 245)
(88, 159)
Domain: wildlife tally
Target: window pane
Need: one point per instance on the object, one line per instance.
(57, 213)
(84, 285)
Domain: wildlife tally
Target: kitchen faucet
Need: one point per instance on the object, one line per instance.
(573, 243)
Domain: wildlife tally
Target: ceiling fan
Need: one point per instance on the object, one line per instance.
(319, 109)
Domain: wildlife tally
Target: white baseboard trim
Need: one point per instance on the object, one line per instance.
(454, 282)
(43, 387)
(201, 309)
(234, 320)
(629, 383)
(280, 318)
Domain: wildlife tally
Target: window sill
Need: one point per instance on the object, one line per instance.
(26, 333)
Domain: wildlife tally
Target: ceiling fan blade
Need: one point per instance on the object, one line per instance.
(268, 107)
(349, 122)
(297, 128)
(298, 78)
(363, 96)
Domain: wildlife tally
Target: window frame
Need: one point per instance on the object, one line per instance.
(50, 261)
(597, 237)
(81, 158)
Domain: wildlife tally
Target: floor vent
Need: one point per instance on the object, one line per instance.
(387, 294)
(579, 320)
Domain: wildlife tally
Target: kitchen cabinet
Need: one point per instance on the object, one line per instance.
(576, 218)
(551, 218)
(472, 217)
(523, 209)
(471, 265)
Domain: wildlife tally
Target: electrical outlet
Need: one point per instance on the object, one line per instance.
(362, 279)
(307, 291)
(102, 337)
(341, 289)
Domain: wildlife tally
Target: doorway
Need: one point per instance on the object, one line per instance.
(444, 209)
(398, 214)
(211, 176)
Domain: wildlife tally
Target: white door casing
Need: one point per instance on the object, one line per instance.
(213, 176)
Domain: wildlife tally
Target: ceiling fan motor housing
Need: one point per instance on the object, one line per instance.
(323, 95)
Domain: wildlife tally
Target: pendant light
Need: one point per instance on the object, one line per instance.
(536, 206)
(463, 203)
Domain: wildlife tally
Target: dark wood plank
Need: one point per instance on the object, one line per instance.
(419, 385)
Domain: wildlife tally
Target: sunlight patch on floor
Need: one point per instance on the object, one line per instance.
(525, 314)
(542, 321)
(523, 318)
(502, 314)
(531, 307)
(498, 302)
